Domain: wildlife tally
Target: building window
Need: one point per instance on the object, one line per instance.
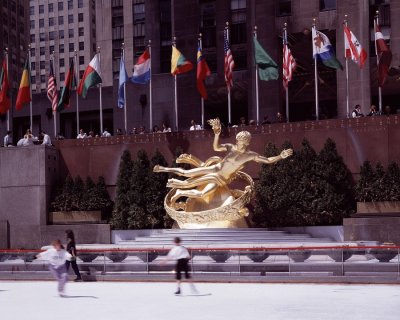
(208, 24)
(33, 79)
(32, 38)
(62, 76)
(71, 47)
(42, 65)
(33, 52)
(41, 23)
(51, 22)
(327, 5)
(70, 4)
(284, 8)
(61, 48)
(61, 34)
(81, 32)
(139, 30)
(80, 17)
(81, 60)
(80, 3)
(41, 8)
(33, 66)
(70, 33)
(117, 3)
(32, 24)
(165, 36)
(60, 6)
(21, 10)
(13, 6)
(31, 10)
(238, 16)
(118, 33)
(41, 36)
(51, 49)
(42, 51)
(70, 18)
(62, 62)
(43, 78)
(81, 46)
(51, 35)
(51, 7)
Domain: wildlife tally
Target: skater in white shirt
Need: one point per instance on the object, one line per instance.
(57, 256)
(182, 257)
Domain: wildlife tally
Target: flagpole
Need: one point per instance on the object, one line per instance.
(54, 111)
(316, 78)
(201, 97)
(150, 91)
(30, 88)
(100, 96)
(175, 92)
(125, 111)
(287, 85)
(376, 22)
(76, 90)
(347, 74)
(229, 89)
(10, 89)
(256, 84)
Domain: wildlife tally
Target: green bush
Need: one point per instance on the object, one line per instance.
(306, 189)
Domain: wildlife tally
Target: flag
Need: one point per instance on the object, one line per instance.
(354, 49)
(203, 71)
(91, 77)
(384, 55)
(123, 77)
(179, 64)
(52, 93)
(66, 91)
(229, 63)
(267, 68)
(141, 70)
(288, 66)
(323, 50)
(5, 102)
(24, 91)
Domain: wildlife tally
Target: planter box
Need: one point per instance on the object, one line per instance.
(378, 207)
(74, 217)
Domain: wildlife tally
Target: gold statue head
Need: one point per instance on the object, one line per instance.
(244, 137)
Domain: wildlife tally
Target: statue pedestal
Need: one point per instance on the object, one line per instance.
(239, 223)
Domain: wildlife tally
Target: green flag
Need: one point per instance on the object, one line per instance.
(66, 91)
(267, 68)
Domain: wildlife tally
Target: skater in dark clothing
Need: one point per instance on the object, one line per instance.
(71, 249)
(182, 257)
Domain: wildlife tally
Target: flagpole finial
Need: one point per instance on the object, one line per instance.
(149, 42)
(314, 21)
(227, 25)
(98, 49)
(200, 34)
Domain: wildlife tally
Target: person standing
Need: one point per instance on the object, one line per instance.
(71, 249)
(194, 126)
(57, 256)
(82, 134)
(182, 257)
(7, 139)
(46, 138)
(357, 112)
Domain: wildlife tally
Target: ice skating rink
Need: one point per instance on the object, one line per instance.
(130, 300)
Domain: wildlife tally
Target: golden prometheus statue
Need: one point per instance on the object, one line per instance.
(204, 199)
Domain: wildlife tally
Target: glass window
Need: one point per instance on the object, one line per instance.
(70, 4)
(80, 17)
(33, 66)
(33, 38)
(62, 76)
(116, 3)
(81, 46)
(42, 51)
(208, 24)
(61, 48)
(42, 65)
(51, 35)
(70, 18)
(31, 10)
(80, 3)
(43, 78)
(41, 36)
(71, 47)
(238, 34)
(70, 33)
(62, 62)
(33, 79)
(41, 8)
(81, 60)
(13, 6)
(238, 4)
(51, 49)
(60, 6)
(327, 5)
(81, 32)
(61, 34)
(284, 8)
(21, 10)
(51, 22)
(41, 23)
(32, 24)
(33, 52)
(51, 7)
(60, 20)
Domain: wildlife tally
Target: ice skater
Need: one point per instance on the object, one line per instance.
(57, 256)
(71, 249)
(182, 257)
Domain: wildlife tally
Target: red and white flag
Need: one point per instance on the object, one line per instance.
(289, 65)
(383, 53)
(228, 61)
(353, 48)
(52, 89)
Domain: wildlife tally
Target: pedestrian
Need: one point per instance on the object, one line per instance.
(357, 112)
(373, 111)
(8, 139)
(166, 128)
(119, 132)
(57, 256)
(182, 257)
(82, 134)
(106, 134)
(194, 126)
(46, 138)
(71, 249)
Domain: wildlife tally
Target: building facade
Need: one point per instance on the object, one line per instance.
(133, 23)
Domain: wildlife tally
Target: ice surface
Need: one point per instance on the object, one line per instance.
(130, 300)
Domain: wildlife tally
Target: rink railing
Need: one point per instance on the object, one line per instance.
(326, 260)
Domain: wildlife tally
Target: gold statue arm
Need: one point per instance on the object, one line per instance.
(283, 155)
(216, 126)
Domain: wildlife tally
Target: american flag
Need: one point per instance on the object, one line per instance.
(289, 64)
(229, 63)
(52, 89)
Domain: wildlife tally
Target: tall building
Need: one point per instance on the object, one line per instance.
(14, 35)
(135, 22)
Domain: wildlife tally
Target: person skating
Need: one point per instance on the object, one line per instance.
(182, 257)
(57, 256)
(71, 249)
